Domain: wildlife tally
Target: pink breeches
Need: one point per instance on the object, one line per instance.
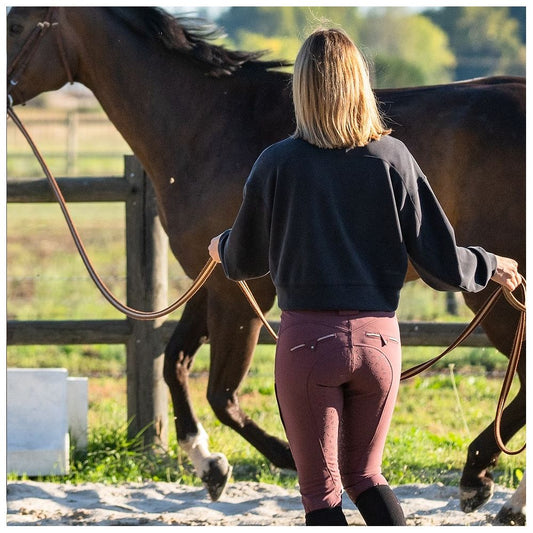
(337, 375)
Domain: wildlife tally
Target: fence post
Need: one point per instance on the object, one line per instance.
(72, 143)
(147, 393)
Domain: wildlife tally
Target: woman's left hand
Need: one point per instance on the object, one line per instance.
(213, 249)
(506, 273)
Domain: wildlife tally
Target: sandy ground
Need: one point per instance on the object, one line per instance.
(242, 504)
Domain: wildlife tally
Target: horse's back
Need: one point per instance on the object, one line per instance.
(469, 139)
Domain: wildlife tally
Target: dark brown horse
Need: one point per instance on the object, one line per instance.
(198, 115)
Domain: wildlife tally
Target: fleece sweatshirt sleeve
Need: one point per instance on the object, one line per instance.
(244, 248)
(430, 239)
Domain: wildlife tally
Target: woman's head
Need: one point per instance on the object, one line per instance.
(334, 103)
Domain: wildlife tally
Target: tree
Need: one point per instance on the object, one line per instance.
(407, 49)
(486, 40)
(389, 71)
(403, 48)
(287, 21)
(275, 47)
(519, 14)
(280, 31)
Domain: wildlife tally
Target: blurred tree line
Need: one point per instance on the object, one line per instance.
(404, 47)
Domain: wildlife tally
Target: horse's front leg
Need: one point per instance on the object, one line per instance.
(476, 485)
(233, 334)
(191, 332)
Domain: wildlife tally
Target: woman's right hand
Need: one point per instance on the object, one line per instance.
(213, 249)
(506, 273)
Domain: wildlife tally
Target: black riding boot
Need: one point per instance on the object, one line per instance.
(380, 507)
(330, 516)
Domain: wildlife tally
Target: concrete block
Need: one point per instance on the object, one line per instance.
(37, 421)
(77, 408)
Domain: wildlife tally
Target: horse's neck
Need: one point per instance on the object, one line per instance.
(139, 92)
(184, 127)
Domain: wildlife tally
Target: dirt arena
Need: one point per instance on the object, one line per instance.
(243, 504)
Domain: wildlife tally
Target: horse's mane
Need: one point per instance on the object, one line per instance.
(191, 36)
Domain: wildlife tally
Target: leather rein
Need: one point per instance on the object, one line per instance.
(514, 356)
(210, 266)
(108, 295)
(19, 64)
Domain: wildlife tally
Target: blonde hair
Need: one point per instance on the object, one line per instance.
(334, 103)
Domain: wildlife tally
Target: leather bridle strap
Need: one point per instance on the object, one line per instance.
(62, 53)
(29, 48)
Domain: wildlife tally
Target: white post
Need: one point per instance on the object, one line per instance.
(37, 422)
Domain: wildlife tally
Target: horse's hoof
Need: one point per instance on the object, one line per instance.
(216, 476)
(508, 517)
(471, 498)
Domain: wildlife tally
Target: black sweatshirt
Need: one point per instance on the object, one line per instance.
(335, 228)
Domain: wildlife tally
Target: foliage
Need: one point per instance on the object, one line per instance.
(406, 47)
(485, 40)
(518, 13)
(275, 47)
(389, 71)
(281, 30)
(287, 21)
(410, 48)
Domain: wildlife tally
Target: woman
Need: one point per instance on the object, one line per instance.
(334, 213)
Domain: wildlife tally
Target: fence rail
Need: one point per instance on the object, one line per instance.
(70, 138)
(37, 190)
(147, 289)
(117, 332)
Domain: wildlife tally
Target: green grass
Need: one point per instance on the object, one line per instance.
(427, 441)
(46, 279)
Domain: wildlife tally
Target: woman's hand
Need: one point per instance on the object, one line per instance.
(213, 249)
(506, 273)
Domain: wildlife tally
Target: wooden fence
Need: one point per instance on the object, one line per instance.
(70, 138)
(146, 272)
(146, 251)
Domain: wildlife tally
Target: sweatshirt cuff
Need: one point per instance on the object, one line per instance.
(221, 247)
(493, 263)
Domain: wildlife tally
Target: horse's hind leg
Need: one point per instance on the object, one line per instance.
(476, 485)
(233, 334)
(189, 335)
(513, 512)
